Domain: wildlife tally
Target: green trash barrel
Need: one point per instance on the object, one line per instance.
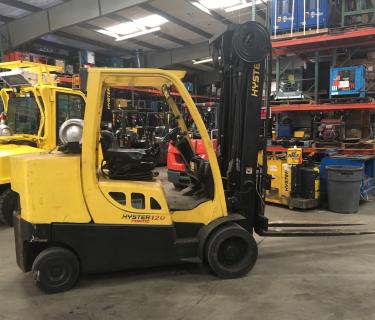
(344, 188)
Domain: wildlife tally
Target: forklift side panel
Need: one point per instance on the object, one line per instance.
(108, 247)
(100, 247)
(137, 199)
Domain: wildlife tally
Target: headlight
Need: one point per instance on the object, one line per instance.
(71, 131)
(5, 130)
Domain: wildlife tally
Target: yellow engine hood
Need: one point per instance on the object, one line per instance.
(9, 150)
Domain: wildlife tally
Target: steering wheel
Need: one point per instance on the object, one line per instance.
(171, 135)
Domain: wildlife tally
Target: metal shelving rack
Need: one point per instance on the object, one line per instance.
(317, 43)
(332, 41)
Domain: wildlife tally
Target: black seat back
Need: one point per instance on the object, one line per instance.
(106, 142)
(125, 164)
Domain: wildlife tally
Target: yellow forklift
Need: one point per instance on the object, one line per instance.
(97, 207)
(35, 108)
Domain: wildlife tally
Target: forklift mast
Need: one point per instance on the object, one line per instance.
(241, 54)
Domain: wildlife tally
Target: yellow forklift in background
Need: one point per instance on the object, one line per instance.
(35, 107)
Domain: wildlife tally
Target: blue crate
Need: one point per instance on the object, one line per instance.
(309, 14)
(348, 81)
(284, 130)
(283, 14)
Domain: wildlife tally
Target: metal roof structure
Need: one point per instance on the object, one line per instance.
(75, 24)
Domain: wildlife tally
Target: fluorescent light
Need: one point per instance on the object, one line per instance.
(151, 21)
(135, 28)
(243, 5)
(215, 4)
(124, 28)
(137, 34)
(108, 33)
(201, 7)
(203, 60)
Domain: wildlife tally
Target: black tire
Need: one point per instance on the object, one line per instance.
(231, 251)
(179, 186)
(55, 270)
(8, 203)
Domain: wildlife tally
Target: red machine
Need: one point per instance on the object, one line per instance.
(176, 164)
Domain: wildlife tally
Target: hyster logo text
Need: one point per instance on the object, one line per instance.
(255, 82)
(143, 218)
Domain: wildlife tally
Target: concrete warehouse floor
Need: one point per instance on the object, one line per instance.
(294, 278)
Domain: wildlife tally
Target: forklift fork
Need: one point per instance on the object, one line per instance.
(301, 229)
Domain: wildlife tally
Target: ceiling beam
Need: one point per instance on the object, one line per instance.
(190, 69)
(119, 18)
(172, 38)
(176, 20)
(21, 5)
(5, 19)
(219, 17)
(177, 55)
(61, 48)
(61, 16)
(99, 44)
(145, 44)
(261, 13)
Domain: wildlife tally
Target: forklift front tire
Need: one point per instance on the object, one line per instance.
(55, 270)
(231, 251)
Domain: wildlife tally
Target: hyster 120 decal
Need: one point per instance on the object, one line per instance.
(142, 218)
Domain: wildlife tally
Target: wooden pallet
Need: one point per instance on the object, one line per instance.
(326, 145)
(300, 34)
(359, 146)
(338, 30)
(343, 100)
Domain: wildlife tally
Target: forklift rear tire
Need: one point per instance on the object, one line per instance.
(8, 203)
(231, 251)
(55, 270)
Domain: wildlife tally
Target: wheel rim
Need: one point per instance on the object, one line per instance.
(58, 273)
(232, 251)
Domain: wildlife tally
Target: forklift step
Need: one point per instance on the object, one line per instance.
(187, 247)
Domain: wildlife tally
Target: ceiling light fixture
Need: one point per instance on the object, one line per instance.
(124, 28)
(137, 34)
(203, 60)
(107, 33)
(135, 28)
(151, 21)
(201, 7)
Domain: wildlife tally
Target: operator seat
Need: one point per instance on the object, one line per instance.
(126, 164)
